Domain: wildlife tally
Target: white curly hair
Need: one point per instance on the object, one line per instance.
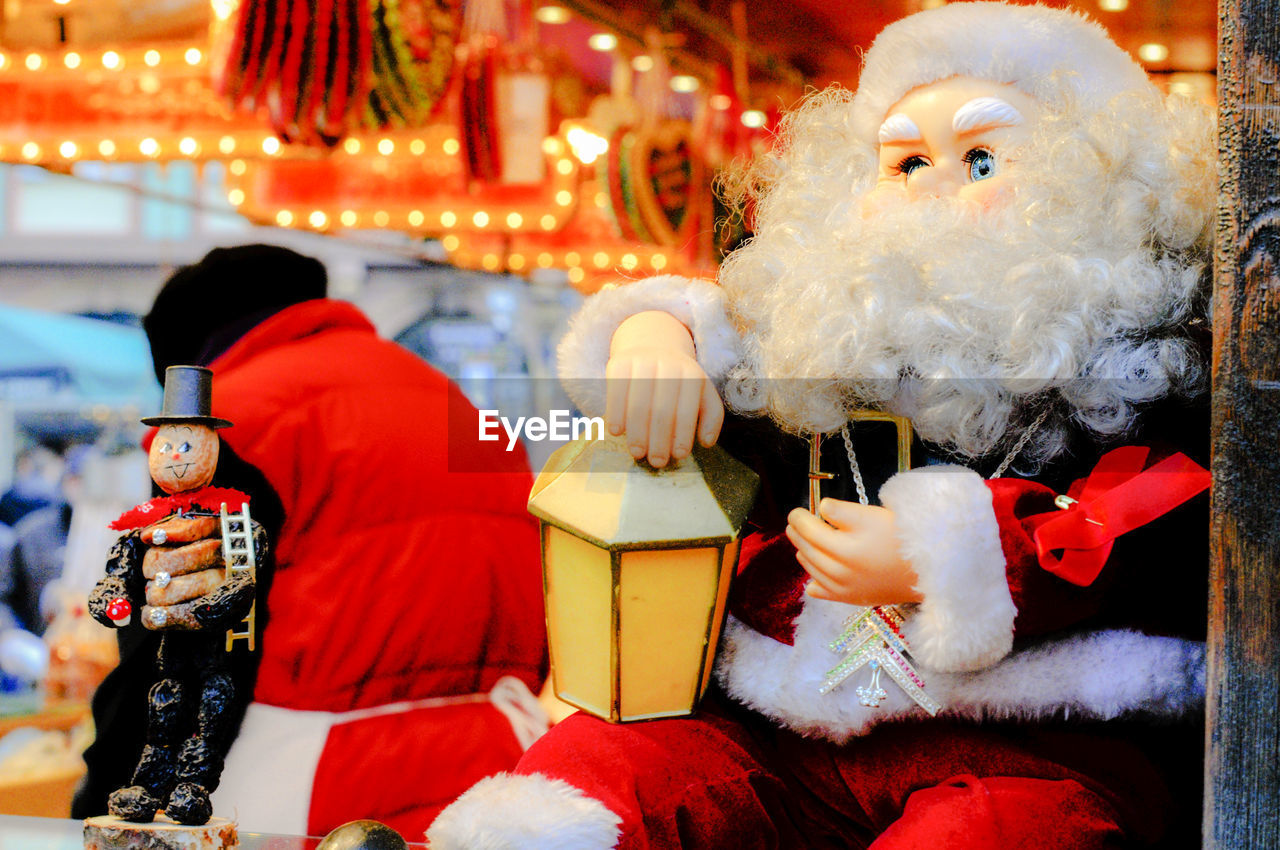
(1075, 295)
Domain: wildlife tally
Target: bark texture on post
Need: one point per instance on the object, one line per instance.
(1242, 768)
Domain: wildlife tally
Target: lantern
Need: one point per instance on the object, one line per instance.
(636, 564)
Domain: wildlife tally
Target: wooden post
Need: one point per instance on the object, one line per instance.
(1242, 766)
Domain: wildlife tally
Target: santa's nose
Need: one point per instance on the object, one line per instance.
(936, 180)
(177, 456)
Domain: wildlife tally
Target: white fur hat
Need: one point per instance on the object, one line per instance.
(1045, 52)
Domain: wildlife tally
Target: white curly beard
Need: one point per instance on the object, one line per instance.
(967, 321)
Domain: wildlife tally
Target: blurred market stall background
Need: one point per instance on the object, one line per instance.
(466, 172)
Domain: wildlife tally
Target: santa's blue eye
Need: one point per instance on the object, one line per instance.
(184, 448)
(982, 164)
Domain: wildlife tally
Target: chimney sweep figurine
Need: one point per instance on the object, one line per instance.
(186, 565)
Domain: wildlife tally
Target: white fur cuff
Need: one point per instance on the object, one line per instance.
(697, 304)
(948, 532)
(514, 812)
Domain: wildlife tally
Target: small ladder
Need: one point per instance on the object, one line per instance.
(238, 556)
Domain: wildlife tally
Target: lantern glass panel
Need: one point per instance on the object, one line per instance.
(717, 619)
(665, 604)
(579, 588)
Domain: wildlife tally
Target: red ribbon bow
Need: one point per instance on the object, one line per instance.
(1118, 496)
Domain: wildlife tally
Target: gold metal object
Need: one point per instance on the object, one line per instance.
(816, 475)
(903, 426)
(238, 555)
(636, 568)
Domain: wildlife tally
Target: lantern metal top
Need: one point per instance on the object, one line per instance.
(595, 490)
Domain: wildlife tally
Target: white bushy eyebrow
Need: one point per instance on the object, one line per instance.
(985, 113)
(899, 128)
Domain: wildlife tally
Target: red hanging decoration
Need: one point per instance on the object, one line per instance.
(322, 68)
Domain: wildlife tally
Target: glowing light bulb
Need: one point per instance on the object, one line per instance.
(551, 14)
(1153, 52)
(602, 41)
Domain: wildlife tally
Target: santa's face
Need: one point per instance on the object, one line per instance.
(183, 457)
(990, 256)
(953, 138)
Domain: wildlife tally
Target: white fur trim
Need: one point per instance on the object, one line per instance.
(697, 304)
(534, 812)
(1100, 675)
(947, 530)
(1045, 52)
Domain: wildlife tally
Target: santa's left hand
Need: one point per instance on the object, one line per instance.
(852, 554)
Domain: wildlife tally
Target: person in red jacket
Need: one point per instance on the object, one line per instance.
(403, 632)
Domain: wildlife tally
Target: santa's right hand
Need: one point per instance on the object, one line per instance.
(662, 400)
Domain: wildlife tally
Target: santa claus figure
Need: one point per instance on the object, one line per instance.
(1001, 238)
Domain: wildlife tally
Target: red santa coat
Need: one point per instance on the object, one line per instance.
(1028, 668)
(406, 583)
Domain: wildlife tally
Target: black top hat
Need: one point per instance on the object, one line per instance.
(188, 391)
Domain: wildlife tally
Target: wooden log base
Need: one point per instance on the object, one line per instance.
(108, 832)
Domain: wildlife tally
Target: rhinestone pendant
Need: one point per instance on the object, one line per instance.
(871, 694)
(872, 639)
